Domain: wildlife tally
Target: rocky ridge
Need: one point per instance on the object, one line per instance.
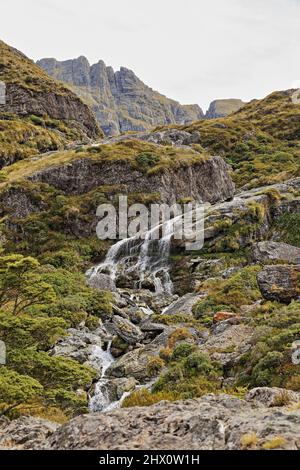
(120, 100)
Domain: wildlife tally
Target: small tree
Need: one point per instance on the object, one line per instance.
(16, 389)
(21, 284)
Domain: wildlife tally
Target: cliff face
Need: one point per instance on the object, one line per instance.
(207, 180)
(30, 91)
(120, 100)
(222, 108)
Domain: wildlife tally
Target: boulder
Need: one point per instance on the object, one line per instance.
(280, 282)
(273, 251)
(102, 281)
(126, 330)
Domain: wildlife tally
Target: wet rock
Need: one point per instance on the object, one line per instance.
(273, 251)
(280, 282)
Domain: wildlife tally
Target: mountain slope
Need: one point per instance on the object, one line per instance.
(120, 100)
(261, 141)
(38, 114)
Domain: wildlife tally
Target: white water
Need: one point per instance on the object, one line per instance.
(146, 257)
(100, 401)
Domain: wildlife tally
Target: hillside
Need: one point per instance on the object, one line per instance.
(120, 100)
(39, 114)
(170, 345)
(261, 141)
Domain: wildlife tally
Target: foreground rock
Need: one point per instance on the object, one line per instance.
(280, 282)
(210, 423)
(25, 433)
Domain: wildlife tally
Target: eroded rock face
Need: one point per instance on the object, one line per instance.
(120, 100)
(208, 423)
(207, 181)
(273, 251)
(280, 282)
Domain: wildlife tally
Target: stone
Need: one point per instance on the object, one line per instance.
(25, 433)
(280, 282)
(126, 330)
(274, 251)
(102, 281)
(207, 423)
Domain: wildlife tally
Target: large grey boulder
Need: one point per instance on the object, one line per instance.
(280, 282)
(126, 330)
(273, 251)
(101, 281)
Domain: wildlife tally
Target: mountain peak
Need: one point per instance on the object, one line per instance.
(120, 100)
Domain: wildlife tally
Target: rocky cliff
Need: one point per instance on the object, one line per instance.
(222, 108)
(120, 100)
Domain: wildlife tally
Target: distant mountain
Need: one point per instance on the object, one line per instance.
(222, 108)
(120, 100)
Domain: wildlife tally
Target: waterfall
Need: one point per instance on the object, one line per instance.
(101, 400)
(146, 257)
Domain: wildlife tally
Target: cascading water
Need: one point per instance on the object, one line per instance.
(148, 257)
(100, 401)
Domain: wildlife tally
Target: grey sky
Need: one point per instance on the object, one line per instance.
(191, 50)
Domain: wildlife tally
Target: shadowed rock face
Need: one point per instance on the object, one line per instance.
(120, 100)
(207, 181)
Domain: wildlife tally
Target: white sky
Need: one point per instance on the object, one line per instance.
(191, 50)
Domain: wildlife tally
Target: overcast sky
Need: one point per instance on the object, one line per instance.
(191, 50)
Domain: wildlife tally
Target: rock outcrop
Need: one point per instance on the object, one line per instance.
(274, 251)
(208, 180)
(222, 108)
(120, 100)
(209, 423)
